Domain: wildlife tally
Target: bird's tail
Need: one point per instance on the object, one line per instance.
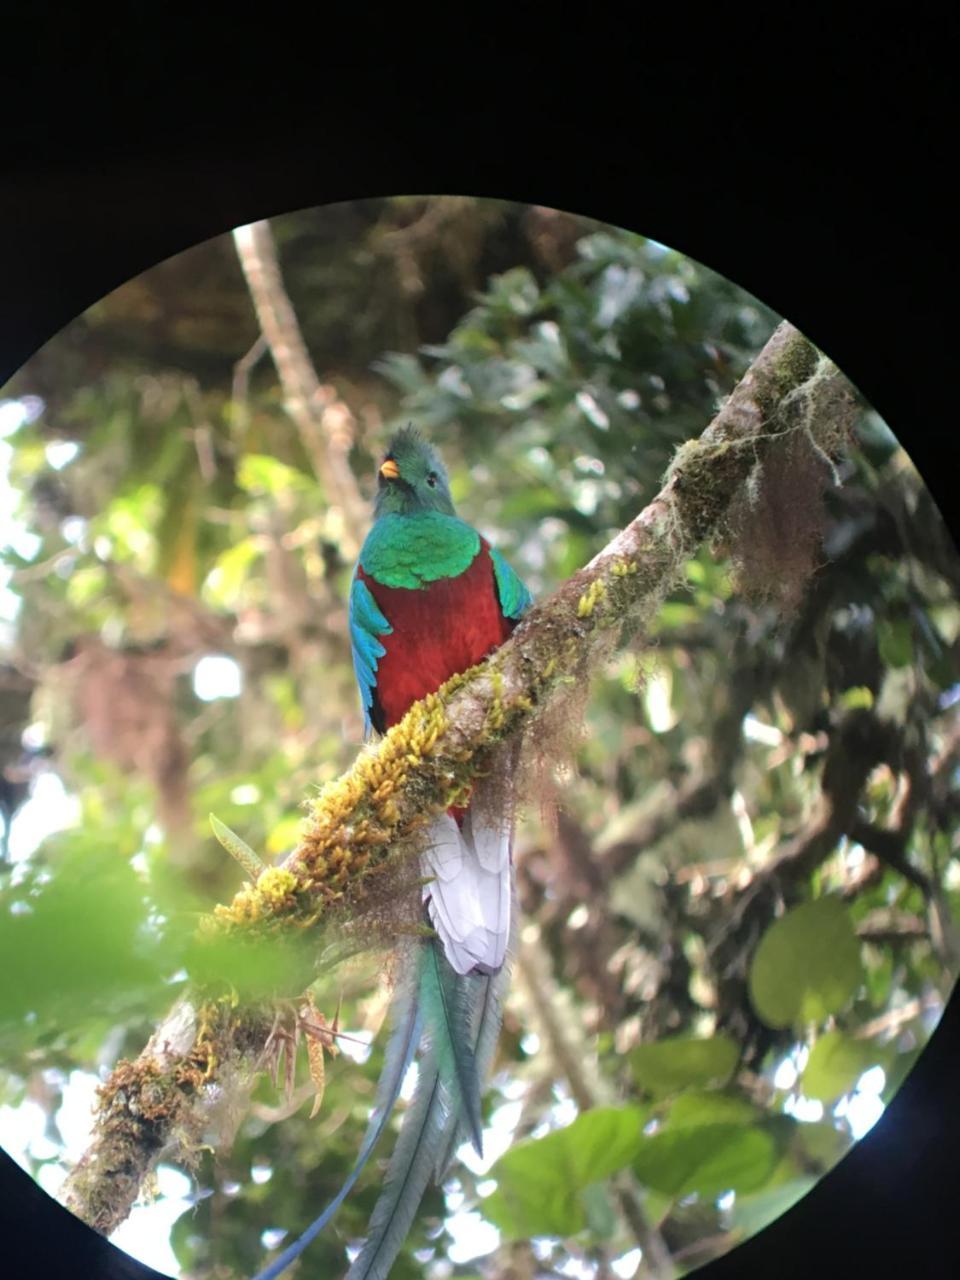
(463, 978)
(451, 1007)
(461, 1037)
(407, 1017)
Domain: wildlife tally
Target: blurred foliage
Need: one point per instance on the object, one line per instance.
(747, 897)
(807, 966)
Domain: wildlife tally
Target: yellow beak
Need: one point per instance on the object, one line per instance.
(390, 470)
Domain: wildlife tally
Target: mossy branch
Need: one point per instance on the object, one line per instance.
(161, 1103)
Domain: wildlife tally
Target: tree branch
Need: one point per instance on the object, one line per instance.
(359, 824)
(324, 421)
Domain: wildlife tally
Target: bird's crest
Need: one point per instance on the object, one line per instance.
(412, 476)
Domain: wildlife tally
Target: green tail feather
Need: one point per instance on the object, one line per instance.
(449, 1002)
(488, 1015)
(408, 1175)
(461, 1018)
(407, 1018)
(485, 1026)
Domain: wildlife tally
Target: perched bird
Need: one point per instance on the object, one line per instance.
(430, 597)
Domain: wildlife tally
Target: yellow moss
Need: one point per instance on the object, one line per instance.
(203, 1055)
(276, 884)
(495, 715)
(244, 909)
(353, 819)
(591, 598)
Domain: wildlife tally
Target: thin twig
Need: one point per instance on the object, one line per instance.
(240, 392)
(894, 1019)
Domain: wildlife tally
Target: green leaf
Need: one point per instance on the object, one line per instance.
(261, 473)
(656, 1205)
(676, 614)
(807, 965)
(515, 291)
(751, 1213)
(858, 696)
(284, 836)
(946, 618)
(539, 1183)
(836, 1063)
(87, 584)
(237, 848)
(546, 351)
(706, 1159)
(226, 579)
(79, 942)
(601, 1217)
(637, 895)
(404, 371)
(679, 1063)
(711, 1108)
(895, 641)
(255, 967)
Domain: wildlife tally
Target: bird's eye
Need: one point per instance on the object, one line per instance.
(432, 479)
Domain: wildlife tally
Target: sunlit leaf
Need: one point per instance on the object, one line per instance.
(835, 1064)
(226, 578)
(682, 1062)
(807, 965)
(87, 583)
(707, 1159)
(285, 834)
(238, 848)
(260, 473)
(859, 696)
(711, 1108)
(80, 942)
(539, 1182)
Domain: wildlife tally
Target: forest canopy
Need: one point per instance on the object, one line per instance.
(737, 851)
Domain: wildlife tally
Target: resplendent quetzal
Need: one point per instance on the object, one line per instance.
(430, 597)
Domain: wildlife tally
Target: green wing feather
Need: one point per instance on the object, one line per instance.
(514, 597)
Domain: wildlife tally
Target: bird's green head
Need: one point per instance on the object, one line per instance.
(412, 478)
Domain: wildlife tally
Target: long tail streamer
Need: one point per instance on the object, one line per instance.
(454, 1017)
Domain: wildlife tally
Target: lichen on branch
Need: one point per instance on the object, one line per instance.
(369, 817)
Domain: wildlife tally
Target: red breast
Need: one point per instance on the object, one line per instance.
(439, 630)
